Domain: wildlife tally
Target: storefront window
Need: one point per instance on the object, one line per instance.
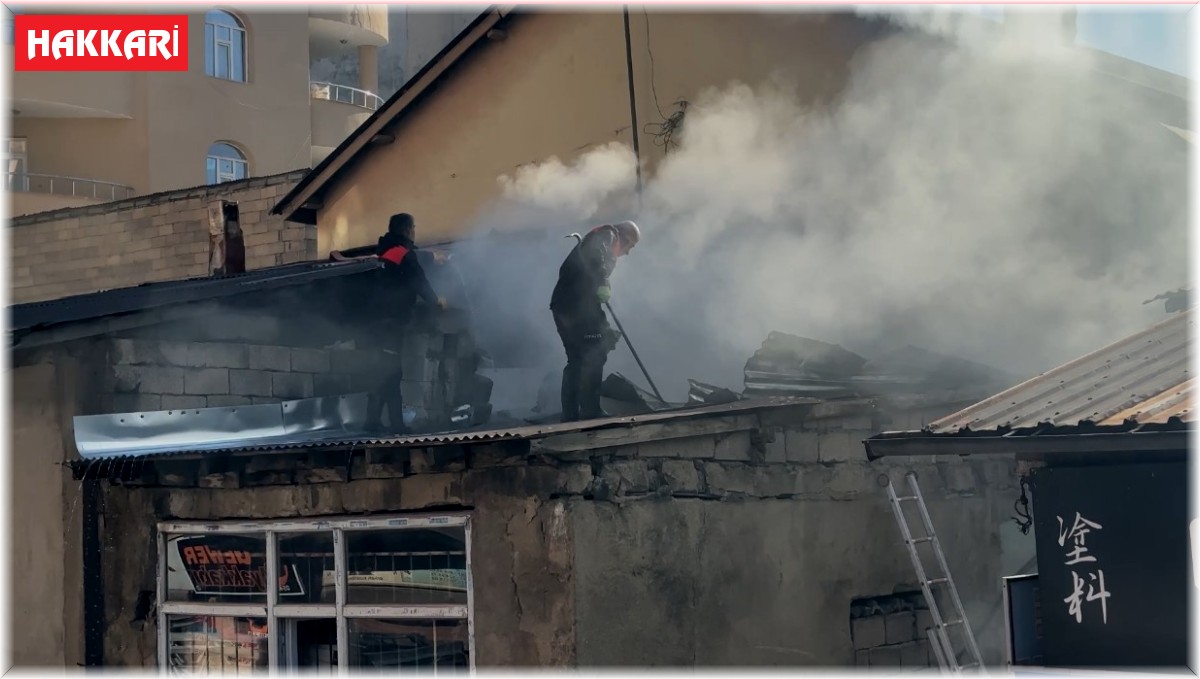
(389, 594)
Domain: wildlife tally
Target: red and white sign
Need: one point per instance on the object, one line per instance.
(100, 42)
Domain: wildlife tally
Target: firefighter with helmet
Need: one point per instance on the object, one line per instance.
(577, 307)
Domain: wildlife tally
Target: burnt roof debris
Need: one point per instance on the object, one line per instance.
(789, 364)
(700, 393)
(620, 396)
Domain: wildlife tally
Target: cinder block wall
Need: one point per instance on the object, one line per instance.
(158, 237)
(154, 374)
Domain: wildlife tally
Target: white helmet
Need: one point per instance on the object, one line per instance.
(629, 232)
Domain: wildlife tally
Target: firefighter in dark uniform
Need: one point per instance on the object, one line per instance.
(582, 325)
(401, 282)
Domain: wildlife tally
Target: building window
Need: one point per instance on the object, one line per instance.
(15, 159)
(383, 594)
(224, 46)
(226, 164)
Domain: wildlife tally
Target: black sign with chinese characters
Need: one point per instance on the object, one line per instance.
(1114, 568)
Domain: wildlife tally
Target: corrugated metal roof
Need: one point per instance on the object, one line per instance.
(1144, 377)
(34, 315)
(318, 423)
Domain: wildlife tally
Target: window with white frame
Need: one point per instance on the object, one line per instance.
(225, 163)
(224, 46)
(388, 594)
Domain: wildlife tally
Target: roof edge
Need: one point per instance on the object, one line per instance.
(357, 141)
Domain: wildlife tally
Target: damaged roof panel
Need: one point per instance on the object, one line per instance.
(334, 422)
(1143, 377)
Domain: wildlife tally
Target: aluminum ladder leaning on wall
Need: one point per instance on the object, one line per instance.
(949, 659)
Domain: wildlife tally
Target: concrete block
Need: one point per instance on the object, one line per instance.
(862, 658)
(216, 355)
(851, 478)
(626, 476)
(867, 632)
(998, 473)
(691, 447)
(429, 490)
(206, 381)
(264, 357)
(228, 400)
(574, 479)
(136, 403)
(291, 385)
(250, 382)
(842, 446)
(147, 379)
(681, 476)
(734, 446)
(923, 622)
(726, 479)
(900, 627)
(774, 446)
(778, 480)
(801, 446)
(171, 402)
(219, 480)
(885, 656)
(331, 385)
(310, 360)
(914, 655)
(322, 475)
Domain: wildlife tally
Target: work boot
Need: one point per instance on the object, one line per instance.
(570, 393)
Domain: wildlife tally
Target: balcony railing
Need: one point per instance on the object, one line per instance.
(345, 94)
(58, 185)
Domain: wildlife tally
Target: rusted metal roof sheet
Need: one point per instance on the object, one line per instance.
(333, 422)
(1143, 378)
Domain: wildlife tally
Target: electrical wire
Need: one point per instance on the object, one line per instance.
(1023, 519)
(663, 132)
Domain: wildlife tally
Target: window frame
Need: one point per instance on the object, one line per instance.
(220, 177)
(213, 45)
(277, 614)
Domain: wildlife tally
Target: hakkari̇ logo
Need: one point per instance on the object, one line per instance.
(94, 42)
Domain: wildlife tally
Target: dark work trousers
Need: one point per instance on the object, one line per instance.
(581, 379)
(387, 390)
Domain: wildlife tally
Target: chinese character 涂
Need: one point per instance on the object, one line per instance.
(1079, 554)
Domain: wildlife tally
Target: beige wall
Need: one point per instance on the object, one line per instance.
(75, 251)
(45, 554)
(558, 86)
(175, 117)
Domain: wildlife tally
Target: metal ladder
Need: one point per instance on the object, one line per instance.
(948, 658)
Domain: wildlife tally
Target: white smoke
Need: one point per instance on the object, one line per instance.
(995, 198)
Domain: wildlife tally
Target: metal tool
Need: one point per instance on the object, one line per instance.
(625, 336)
(948, 658)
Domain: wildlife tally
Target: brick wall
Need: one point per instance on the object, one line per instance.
(162, 236)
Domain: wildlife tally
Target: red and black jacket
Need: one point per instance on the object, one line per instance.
(402, 278)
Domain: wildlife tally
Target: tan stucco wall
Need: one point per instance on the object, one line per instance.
(557, 86)
(175, 117)
(45, 563)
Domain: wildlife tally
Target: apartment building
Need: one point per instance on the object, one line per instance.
(246, 107)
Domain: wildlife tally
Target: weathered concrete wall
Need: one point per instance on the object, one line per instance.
(44, 552)
(158, 237)
(733, 539)
(521, 541)
(732, 551)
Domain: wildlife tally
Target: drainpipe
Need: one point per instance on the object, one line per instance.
(637, 152)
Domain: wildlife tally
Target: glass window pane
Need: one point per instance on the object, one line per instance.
(209, 51)
(223, 33)
(238, 68)
(217, 645)
(222, 70)
(211, 170)
(388, 645)
(304, 560)
(224, 168)
(240, 169)
(219, 567)
(410, 567)
(316, 644)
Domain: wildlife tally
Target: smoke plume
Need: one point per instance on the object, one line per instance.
(982, 191)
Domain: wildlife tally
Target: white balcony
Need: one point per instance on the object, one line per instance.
(32, 192)
(345, 94)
